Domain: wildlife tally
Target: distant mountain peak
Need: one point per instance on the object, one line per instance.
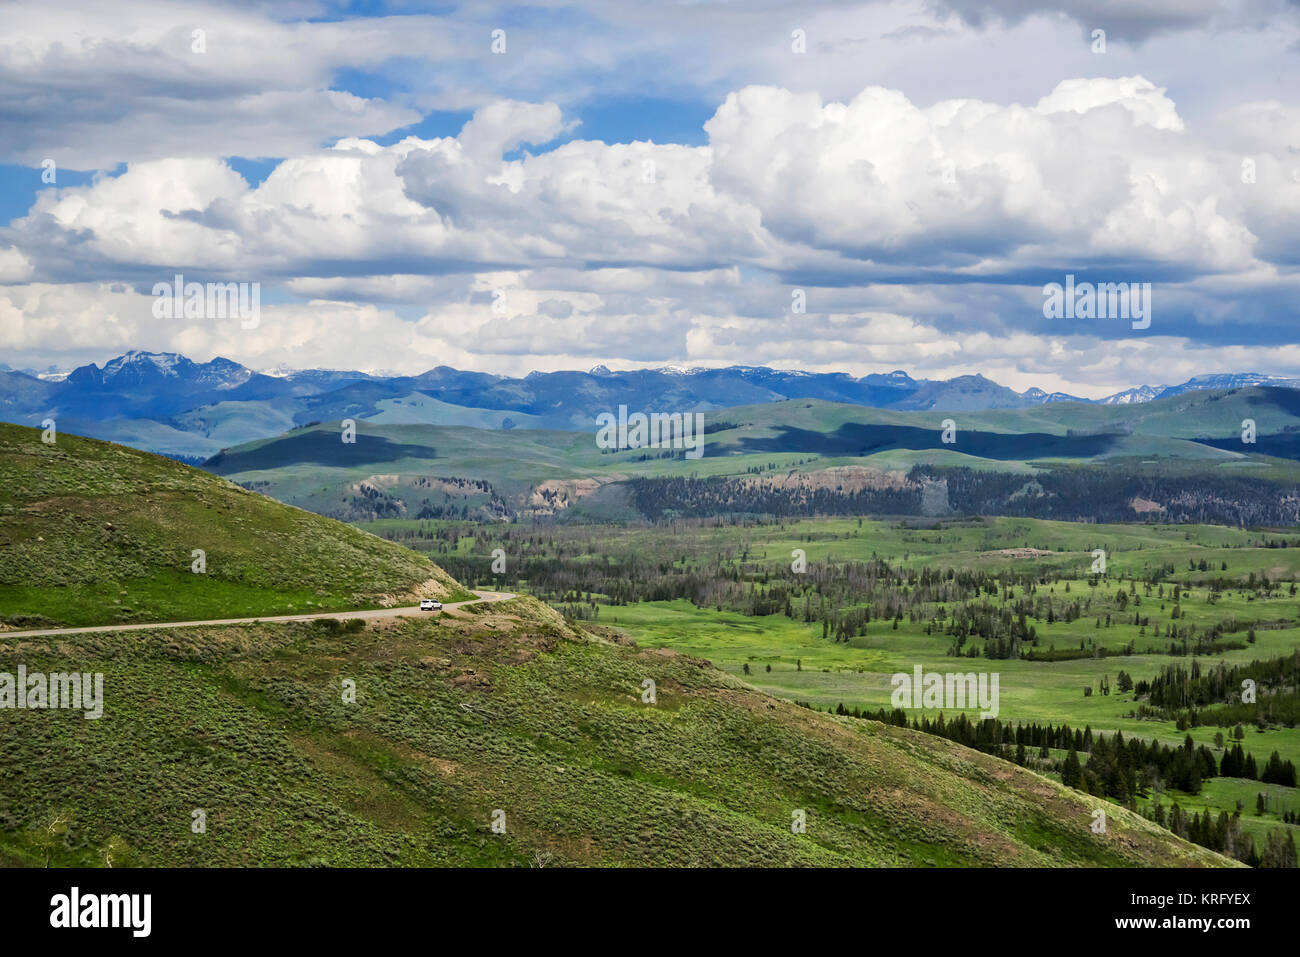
(165, 361)
(138, 369)
(1143, 393)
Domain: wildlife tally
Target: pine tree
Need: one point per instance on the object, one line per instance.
(1071, 773)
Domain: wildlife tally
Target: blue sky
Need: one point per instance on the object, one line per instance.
(634, 184)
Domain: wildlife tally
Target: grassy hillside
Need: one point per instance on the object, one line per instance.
(93, 533)
(498, 707)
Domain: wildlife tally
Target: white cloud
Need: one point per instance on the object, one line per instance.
(1098, 171)
(75, 323)
(92, 86)
(1145, 102)
(14, 266)
(500, 127)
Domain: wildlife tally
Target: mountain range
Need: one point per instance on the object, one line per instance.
(167, 403)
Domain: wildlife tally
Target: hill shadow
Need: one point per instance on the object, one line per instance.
(860, 439)
(1283, 445)
(316, 448)
(1287, 400)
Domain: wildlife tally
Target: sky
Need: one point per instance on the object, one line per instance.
(821, 186)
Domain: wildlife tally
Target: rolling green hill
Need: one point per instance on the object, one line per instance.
(94, 533)
(511, 711)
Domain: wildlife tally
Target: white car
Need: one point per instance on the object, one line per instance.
(428, 604)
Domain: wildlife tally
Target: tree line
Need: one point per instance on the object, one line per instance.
(1120, 770)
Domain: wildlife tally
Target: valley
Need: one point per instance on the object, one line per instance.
(494, 734)
(1018, 598)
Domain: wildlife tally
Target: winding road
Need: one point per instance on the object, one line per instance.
(483, 596)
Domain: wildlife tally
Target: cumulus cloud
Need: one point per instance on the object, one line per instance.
(14, 266)
(500, 127)
(1096, 172)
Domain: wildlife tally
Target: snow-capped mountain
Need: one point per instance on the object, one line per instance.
(1231, 380)
(1039, 396)
(138, 368)
(1224, 380)
(50, 374)
(1143, 393)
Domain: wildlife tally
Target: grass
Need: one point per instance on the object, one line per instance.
(93, 533)
(513, 711)
(1220, 794)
